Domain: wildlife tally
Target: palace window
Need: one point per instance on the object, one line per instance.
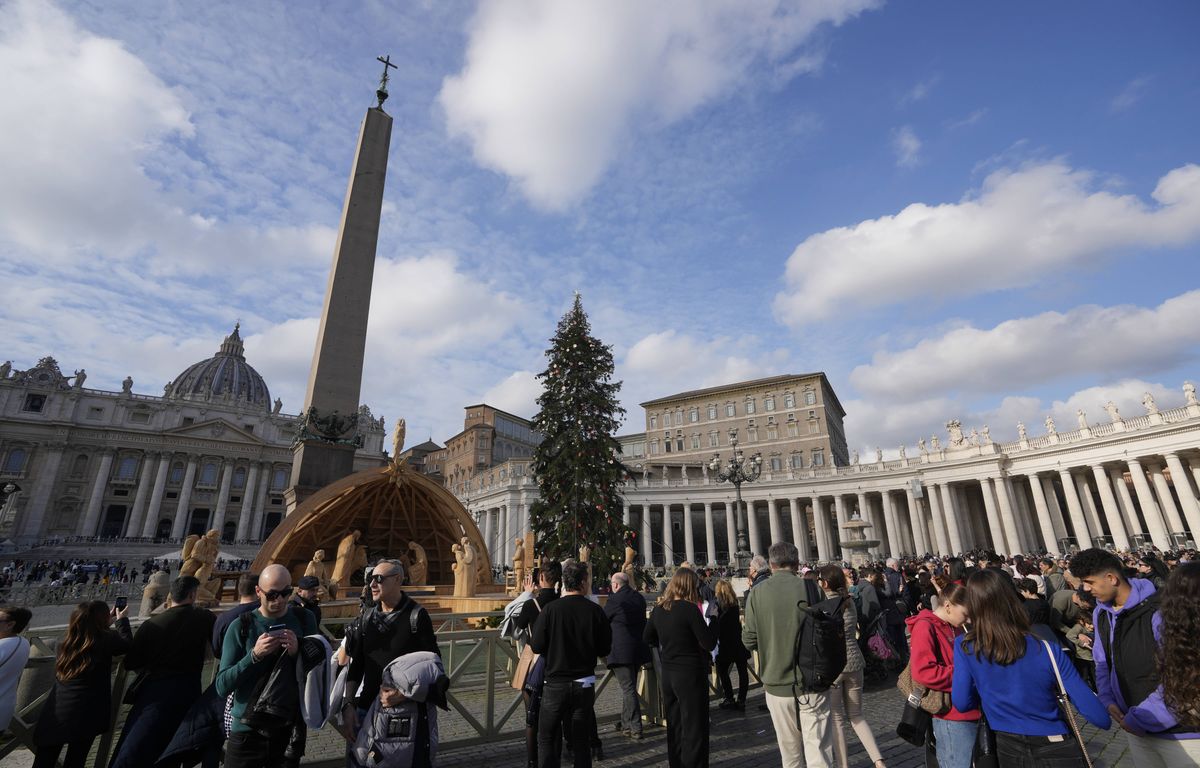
(653, 447)
(239, 477)
(789, 400)
(34, 403)
(772, 432)
(749, 405)
(15, 461)
(714, 439)
(818, 459)
(776, 464)
(176, 474)
(797, 461)
(814, 427)
(769, 403)
(712, 412)
(731, 409)
(279, 479)
(653, 421)
(127, 468)
(695, 441)
(693, 414)
(678, 417)
(752, 435)
(810, 398)
(208, 475)
(793, 429)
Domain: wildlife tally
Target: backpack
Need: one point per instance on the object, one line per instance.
(820, 655)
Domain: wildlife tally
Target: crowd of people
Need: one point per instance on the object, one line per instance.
(1001, 657)
(82, 571)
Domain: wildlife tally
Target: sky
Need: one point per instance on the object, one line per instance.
(983, 212)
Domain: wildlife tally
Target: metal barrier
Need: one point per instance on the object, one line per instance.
(32, 596)
(478, 661)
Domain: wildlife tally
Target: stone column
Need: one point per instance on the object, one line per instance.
(951, 512)
(260, 504)
(689, 540)
(821, 524)
(993, 516)
(145, 478)
(1008, 516)
(34, 517)
(1154, 518)
(1165, 500)
(799, 529)
(668, 544)
(893, 527)
(914, 520)
(223, 495)
(91, 519)
(182, 511)
(1025, 527)
(1083, 536)
(773, 521)
(864, 512)
(1042, 513)
(710, 535)
(756, 547)
(1057, 519)
(940, 536)
(1089, 505)
(1112, 512)
(1183, 489)
(647, 538)
(1125, 503)
(246, 512)
(489, 534)
(150, 526)
(502, 549)
(969, 526)
(839, 510)
(730, 533)
(624, 512)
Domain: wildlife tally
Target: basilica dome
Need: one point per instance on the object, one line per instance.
(224, 377)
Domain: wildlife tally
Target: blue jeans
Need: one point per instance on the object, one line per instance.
(955, 742)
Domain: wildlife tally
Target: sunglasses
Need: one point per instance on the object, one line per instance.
(275, 594)
(378, 578)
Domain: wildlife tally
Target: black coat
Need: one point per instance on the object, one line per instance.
(626, 612)
(683, 639)
(81, 708)
(729, 636)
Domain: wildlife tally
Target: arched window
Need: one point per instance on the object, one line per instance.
(15, 461)
(239, 477)
(79, 466)
(127, 468)
(208, 475)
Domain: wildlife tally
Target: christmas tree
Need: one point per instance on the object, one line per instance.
(577, 465)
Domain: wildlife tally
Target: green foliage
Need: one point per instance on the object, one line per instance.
(577, 465)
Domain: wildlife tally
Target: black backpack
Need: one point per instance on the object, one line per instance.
(820, 646)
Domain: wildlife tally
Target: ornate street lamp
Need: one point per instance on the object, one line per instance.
(739, 470)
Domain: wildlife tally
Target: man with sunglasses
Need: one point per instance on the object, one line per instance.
(251, 648)
(394, 626)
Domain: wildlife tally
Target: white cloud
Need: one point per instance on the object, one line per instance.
(676, 362)
(1021, 224)
(906, 146)
(549, 90)
(919, 91)
(1130, 95)
(1025, 352)
(517, 394)
(969, 120)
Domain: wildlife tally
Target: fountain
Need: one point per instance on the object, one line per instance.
(856, 540)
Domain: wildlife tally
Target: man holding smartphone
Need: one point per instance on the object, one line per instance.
(253, 645)
(168, 654)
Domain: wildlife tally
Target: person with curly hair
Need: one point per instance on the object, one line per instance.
(1128, 623)
(1177, 668)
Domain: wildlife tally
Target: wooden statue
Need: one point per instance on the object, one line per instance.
(351, 556)
(419, 565)
(154, 594)
(317, 567)
(584, 553)
(627, 566)
(518, 564)
(464, 568)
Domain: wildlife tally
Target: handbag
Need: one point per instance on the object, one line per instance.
(933, 702)
(984, 755)
(525, 663)
(1064, 704)
(915, 722)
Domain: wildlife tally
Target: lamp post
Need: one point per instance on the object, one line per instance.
(739, 470)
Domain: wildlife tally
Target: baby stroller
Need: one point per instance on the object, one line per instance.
(882, 658)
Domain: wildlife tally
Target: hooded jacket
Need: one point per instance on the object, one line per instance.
(1150, 716)
(407, 734)
(931, 657)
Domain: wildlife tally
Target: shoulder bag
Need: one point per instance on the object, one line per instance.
(933, 702)
(526, 662)
(1064, 705)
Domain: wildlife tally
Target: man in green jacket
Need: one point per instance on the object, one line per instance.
(802, 726)
(248, 654)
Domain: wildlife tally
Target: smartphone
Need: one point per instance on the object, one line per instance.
(275, 630)
(121, 603)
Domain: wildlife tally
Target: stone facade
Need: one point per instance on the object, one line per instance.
(212, 452)
(489, 437)
(1124, 483)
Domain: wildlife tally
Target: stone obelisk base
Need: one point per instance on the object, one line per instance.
(315, 466)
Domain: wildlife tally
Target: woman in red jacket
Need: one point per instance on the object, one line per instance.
(931, 644)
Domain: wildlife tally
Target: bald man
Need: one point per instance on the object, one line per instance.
(253, 645)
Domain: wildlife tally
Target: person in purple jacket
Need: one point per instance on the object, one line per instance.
(1128, 630)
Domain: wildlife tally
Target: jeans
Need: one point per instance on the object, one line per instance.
(1016, 751)
(955, 742)
(253, 749)
(631, 705)
(727, 682)
(565, 702)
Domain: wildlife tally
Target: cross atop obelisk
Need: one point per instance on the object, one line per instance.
(327, 434)
(381, 92)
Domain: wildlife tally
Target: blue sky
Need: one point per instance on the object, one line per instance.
(989, 213)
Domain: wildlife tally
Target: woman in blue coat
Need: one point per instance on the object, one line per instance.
(1001, 666)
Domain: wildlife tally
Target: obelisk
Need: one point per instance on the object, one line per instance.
(328, 434)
